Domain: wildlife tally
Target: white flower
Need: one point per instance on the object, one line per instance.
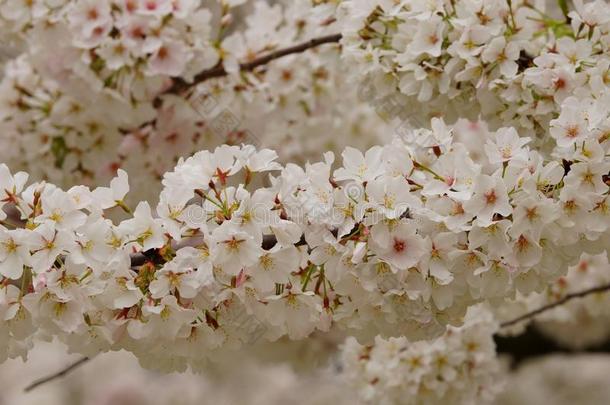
(508, 146)
(490, 197)
(93, 244)
(47, 244)
(59, 209)
(493, 237)
(167, 319)
(115, 53)
(259, 161)
(531, 215)
(390, 197)
(526, 250)
(10, 187)
(155, 8)
(14, 252)
(357, 166)
(169, 59)
(254, 212)
(91, 20)
(571, 127)
(402, 247)
(457, 173)
(588, 177)
(175, 214)
(505, 55)
(143, 228)
(295, 311)
(233, 249)
(67, 316)
(428, 38)
(121, 290)
(224, 162)
(274, 267)
(592, 14)
(439, 256)
(176, 276)
(108, 197)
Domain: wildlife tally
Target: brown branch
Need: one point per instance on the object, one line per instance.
(56, 375)
(544, 308)
(138, 259)
(179, 85)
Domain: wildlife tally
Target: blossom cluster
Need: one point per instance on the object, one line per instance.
(399, 240)
(55, 136)
(230, 246)
(18, 16)
(511, 62)
(459, 367)
(132, 47)
(56, 131)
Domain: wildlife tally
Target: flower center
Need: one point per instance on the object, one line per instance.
(92, 14)
(233, 244)
(560, 83)
(163, 53)
(399, 245)
(531, 213)
(266, 262)
(490, 197)
(572, 131)
(522, 243)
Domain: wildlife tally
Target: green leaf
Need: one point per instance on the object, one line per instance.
(60, 150)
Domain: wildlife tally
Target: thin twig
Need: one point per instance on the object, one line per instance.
(56, 375)
(181, 85)
(544, 308)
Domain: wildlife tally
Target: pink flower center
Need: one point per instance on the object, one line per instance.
(130, 5)
(151, 5)
(490, 197)
(522, 243)
(92, 14)
(560, 83)
(458, 209)
(399, 245)
(163, 53)
(98, 31)
(572, 131)
(137, 32)
(583, 266)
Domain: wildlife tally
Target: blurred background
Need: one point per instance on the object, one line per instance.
(117, 379)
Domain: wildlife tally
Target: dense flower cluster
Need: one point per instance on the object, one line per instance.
(459, 367)
(508, 61)
(55, 136)
(129, 46)
(58, 132)
(502, 204)
(18, 16)
(400, 240)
